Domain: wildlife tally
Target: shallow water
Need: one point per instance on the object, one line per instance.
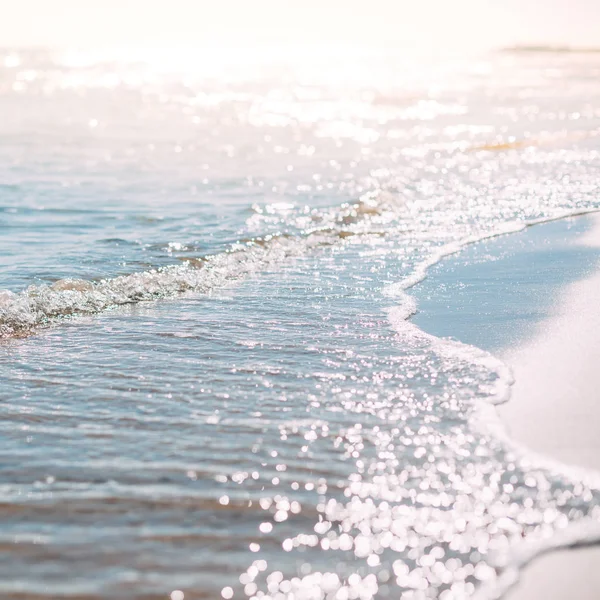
(208, 380)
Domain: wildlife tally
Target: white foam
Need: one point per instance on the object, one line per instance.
(37, 305)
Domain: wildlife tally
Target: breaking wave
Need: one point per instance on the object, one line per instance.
(38, 305)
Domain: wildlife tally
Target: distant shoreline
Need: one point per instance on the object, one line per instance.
(551, 49)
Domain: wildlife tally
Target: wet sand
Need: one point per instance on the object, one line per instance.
(555, 410)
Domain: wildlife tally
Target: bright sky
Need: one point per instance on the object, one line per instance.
(429, 23)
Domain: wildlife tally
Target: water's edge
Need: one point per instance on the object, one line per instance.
(487, 419)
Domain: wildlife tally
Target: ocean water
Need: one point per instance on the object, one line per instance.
(211, 383)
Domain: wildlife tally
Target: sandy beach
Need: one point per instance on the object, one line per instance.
(555, 410)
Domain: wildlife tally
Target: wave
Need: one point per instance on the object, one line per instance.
(38, 305)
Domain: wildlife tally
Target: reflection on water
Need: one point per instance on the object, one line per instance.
(210, 388)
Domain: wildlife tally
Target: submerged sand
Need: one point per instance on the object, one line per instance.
(555, 410)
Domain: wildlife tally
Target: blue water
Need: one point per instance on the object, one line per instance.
(209, 383)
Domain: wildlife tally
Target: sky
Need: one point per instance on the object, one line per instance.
(437, 24)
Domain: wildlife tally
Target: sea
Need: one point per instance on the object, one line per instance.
(212, 382)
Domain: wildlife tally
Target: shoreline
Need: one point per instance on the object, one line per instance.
(531, 299)
(554, 410)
